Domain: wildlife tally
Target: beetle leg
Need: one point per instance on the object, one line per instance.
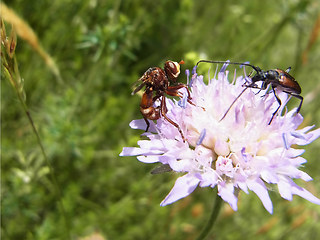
(299, 97)
(301, 100)
(279, 101)
(267, 92)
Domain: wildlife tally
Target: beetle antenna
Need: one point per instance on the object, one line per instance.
(257, 69)
(225, 114)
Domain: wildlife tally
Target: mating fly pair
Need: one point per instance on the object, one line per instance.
(157, 83)
(277, 78)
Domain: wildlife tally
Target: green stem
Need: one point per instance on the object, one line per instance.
(57, 189)
(214, 215)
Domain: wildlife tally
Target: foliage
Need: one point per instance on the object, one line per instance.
(82, 112)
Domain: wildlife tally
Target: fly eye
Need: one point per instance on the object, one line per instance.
(172, 69)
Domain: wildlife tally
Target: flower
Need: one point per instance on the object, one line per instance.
(240, 152)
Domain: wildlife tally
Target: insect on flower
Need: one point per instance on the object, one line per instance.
(238, 155)
(277, 78)
(156, 81)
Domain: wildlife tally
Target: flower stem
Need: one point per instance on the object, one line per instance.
(214, 215)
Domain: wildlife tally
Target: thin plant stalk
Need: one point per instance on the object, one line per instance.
(213, 217)
(11, 70)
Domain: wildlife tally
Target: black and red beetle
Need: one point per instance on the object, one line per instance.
(277, 78)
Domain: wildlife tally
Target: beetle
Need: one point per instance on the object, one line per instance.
(157, 83)
(277, 78)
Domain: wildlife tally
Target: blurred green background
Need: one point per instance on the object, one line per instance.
(101, 48)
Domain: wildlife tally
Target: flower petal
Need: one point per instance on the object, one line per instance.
(225, 191)
(315, 134)
(297, 190)
(284, 188)
(209, 179)
(141, 124)
(258, 187)
(292, 153)
(269, 176)
(149, 159)
(156, 145)
(133, 151)
(183, 187)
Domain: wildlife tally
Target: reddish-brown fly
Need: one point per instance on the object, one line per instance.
(157, 83)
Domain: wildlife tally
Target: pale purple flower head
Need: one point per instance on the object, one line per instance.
(241, 152)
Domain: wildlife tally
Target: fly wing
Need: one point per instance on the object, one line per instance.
(137, 87)
(141, 82)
